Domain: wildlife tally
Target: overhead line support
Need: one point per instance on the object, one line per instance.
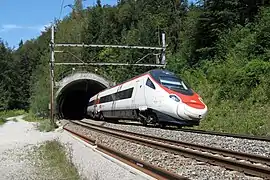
(53, 45)
(52, 76)
(110, 64)
(108, 46)
(162, 49)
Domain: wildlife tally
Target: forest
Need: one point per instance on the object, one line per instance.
(221, 48)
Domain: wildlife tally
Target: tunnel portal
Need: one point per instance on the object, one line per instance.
(73, 96)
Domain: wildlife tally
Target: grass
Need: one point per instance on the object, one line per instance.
(43, 125)
(239, 118)
(2, 121)
(10, 113)
(54, 162)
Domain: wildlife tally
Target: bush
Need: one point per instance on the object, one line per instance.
(236, 87)
(43, 124)
(40, 92)
(2, 121)
(11, 113)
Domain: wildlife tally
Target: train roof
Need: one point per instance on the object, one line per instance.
(154, 72)
(160, 72)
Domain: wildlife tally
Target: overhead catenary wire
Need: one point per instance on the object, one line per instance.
(54, 45)
(61, 9)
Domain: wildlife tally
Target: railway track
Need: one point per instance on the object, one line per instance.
(241, 136)
(247, 163)
(145, 167)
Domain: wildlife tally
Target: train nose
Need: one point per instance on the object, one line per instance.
(195, 112)
(185, 110)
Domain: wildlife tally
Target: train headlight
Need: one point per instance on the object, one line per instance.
(175, 98)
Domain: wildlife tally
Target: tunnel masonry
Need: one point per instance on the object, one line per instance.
(74, 91)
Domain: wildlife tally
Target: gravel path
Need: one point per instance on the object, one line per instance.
(17, 141)
(241, 145)
(20, 139)
(175, 163)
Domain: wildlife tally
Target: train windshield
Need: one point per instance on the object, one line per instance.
(175, 84)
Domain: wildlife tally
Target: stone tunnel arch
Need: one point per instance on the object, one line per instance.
(74, 92)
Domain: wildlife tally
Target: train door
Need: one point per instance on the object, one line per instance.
(150, 93)
(133, 105)
(95, 105)
(139, 98)
(113, 113)
(115, 103)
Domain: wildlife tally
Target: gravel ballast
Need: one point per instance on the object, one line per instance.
(235, 144)
(20, 139)
(183, 166)
(93, 165)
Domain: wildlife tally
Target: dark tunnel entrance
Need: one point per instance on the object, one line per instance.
(73, 100)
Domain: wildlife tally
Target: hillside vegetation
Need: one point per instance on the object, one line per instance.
(221, 48)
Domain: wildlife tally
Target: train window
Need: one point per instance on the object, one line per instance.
(125, 94)
(102, 99)
(107, 98)
(117, 96)
(128, 93)
(113, 97)
(172, 82)
(150, 84)
(175, 84)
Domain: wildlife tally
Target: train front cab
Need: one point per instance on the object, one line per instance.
(183, 107)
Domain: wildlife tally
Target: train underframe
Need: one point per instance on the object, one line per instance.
(146, 117)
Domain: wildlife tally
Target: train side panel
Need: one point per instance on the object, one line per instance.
(139, 99)
(106, 100)
(91, 105)
(122, 104)
(117, 102)
(125, 96)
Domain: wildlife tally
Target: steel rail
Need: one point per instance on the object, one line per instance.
(241, 136)
(145, 167)
(232, 164)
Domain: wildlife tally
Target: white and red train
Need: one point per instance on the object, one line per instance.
(155, 97)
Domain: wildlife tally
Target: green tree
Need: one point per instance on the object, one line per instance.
(217, 18)
(99, 3)
(5, 75)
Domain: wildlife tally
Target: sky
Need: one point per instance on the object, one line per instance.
(25, 19)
